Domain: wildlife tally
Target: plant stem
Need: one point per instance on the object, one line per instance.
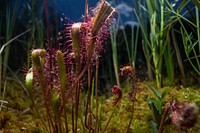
(88, 122)
(198, 31)
(73, 129)
(127, 130)
(109, 119)
(164, 117)
(96, 94)
(13, 39)
(77, 95)
(113, 36)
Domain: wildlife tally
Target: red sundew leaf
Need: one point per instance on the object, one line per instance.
(116, 90)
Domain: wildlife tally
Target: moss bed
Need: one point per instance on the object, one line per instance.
(16, 116)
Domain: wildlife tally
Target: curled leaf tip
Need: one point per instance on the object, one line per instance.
(116, 90)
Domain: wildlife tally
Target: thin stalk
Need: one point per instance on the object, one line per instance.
(113, 35)
(197, 60)
(86, 9)
(1, 65)
(47, 20)
(186, 51)
(142, 28)
(76, 108)
(11, 40)
(100, 118)
(162, 47)
(162, 20)
(109, 119)
(164, 118)
(91, 116)
(88, 122)
(3, 95)
(134, 42)
(73, 129)
(96, 95)
(126, 42)
(181, 16)
(127, 130)
(198, 29)
(178, 55)
(10, 23)
(1, 59)
(77, 94)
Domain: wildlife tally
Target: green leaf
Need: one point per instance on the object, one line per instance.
(169, 64)
(29, 80)
(157, 94)
(55, 103)
(157, 104)
(166, 92)
(154, 128)
(61, 69)
(156, 108)
(197, 3)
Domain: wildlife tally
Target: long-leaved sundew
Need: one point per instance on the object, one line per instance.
(87, 38)
(116, 90)
(58, 70)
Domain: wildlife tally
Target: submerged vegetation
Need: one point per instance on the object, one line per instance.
(60, 89)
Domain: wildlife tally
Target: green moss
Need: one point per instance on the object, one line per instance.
(13, 121)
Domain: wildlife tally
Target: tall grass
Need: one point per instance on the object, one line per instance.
(36, 23)
(191, 46)
(6, 36)
(0, 57)
(157, 40)
(130, 43)
(11, 15)
(156, 21)
(161, 16)
(113, 36)
(7, 27)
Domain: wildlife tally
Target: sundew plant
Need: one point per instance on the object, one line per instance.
(59, 71)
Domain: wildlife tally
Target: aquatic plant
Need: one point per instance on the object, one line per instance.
(59, 71)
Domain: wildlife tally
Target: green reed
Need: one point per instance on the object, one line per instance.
(130, 43)
(113, 37)
(157, 43)
(7, 28)
(10, 13)
(191, 46)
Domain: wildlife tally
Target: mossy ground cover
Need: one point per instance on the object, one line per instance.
(17, 116)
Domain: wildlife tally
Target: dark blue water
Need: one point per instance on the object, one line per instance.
(74, 9)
